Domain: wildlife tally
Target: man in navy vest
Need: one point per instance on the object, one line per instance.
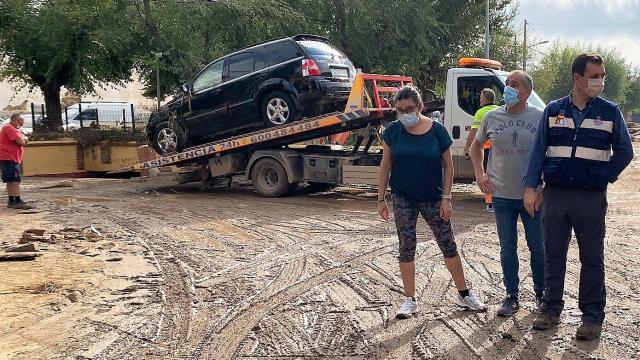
(582, 145)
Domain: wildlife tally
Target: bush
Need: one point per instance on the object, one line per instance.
(88, 137)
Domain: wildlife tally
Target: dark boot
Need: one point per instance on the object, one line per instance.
(544, 321)
(21, 205)
(510, 306)
(588, 331)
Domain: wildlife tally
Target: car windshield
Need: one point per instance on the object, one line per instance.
(319, 48)
(533, 100)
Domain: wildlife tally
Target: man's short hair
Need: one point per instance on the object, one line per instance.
(489, 95)
(579, 65)
(528, 81)
(15, 116)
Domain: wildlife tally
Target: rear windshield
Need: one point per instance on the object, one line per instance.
(319, 48)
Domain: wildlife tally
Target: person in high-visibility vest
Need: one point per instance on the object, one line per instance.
(487, 103)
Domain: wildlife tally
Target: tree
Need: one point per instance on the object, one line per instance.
(553, 78)
(76, 44)
(632, 101)
(189, 35)
(412, 37)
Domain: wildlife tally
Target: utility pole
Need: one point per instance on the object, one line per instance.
(524, 47)
(486, 30)
(159, 55)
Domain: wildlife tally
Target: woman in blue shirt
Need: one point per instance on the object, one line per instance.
(417, 164)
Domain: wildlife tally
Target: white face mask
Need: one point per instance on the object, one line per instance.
(409, 120)
(595, 87)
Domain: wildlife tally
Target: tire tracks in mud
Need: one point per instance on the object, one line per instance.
(227, 335)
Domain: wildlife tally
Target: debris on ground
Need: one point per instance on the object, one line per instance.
(13, 256)
(21, 248)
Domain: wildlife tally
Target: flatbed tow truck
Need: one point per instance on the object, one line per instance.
(274, 163)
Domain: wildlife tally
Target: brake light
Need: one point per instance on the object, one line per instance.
(310, 68)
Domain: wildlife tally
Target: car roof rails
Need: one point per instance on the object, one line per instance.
(300, 37)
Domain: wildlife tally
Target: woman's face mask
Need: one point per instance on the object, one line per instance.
(408, 116)
(408, 120)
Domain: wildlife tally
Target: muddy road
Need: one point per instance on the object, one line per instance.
(181, 273)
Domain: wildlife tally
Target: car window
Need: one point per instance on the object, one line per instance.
(241, 64)
(320, 48)
(210, 77)
(469, 88)
(89, 114)
(280, 52)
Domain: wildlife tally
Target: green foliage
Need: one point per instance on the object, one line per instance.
(418, 38)
(632, 98)
(87, 137)
(72, 43)
(553, 78)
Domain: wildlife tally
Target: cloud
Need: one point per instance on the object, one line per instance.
(619, 8)
(608, 24)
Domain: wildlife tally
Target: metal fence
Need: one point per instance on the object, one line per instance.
(97, 115)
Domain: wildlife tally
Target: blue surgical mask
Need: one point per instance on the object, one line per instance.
(511, 96)
(408, 120)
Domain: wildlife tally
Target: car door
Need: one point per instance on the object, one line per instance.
(243, 75)
(205, 108)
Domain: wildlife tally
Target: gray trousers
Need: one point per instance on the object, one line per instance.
(583, 211)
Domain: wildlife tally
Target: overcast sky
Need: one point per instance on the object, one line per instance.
(607, 23)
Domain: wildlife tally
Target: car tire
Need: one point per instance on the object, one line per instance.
(167, 139)
(269, 178)
(278, 108)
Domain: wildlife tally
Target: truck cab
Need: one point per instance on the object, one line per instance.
(462, 100)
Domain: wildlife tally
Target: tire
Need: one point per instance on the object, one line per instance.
(278, 108)
(269, 178)
(167, 140)
(316, 187)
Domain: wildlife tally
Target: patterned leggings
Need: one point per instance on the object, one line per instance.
(406, 217)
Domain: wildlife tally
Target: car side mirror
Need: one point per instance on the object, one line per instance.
(185, 88)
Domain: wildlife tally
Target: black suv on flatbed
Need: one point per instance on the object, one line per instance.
(264, 85)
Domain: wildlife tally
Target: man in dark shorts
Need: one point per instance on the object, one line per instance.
(12, 143)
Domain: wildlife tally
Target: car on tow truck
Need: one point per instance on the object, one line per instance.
(265, 85)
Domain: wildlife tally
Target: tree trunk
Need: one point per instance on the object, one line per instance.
(53, 122)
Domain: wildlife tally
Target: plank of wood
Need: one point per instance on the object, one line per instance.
(18, 256)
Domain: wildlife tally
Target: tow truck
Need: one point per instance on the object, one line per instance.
(275, 162)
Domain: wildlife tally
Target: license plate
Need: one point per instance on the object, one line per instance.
(340, 73)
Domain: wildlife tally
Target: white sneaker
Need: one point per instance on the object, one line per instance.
(407, 309)
(472, 302)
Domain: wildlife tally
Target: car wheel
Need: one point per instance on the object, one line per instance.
(167, 140)
(278, 108)
(269, 178)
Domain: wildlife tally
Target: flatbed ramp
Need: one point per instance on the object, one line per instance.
(303, 130)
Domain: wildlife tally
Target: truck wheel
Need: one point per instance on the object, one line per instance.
(270, 178)
(278, 108)
(167, 140)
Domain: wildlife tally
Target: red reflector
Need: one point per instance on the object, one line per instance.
(310, 68)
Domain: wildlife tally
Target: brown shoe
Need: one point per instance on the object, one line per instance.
(588, 331)
(544, 321)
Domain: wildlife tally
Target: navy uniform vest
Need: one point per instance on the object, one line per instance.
(578, 157)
